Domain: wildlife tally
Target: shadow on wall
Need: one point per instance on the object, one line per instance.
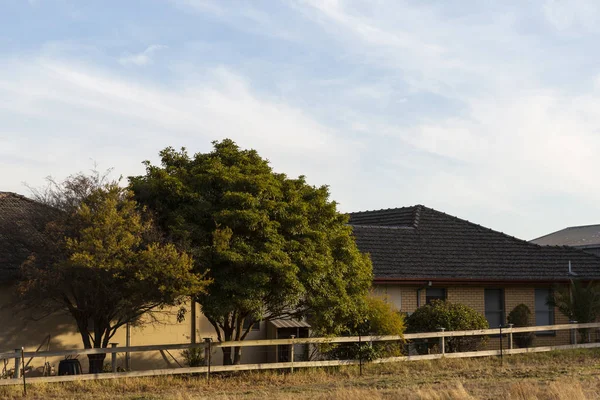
(19, 329)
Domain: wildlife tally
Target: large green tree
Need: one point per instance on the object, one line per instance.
(274, 247)
(103, 263)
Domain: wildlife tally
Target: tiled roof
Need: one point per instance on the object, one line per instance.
(584, 236)
(435, 245)
(21, 227)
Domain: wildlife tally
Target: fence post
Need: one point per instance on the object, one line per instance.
(207, 356)
(501, 349)
(510, 336)
(292, 353)
(113, 357)
(128, 344)
(17, 374)
(23, 363)
(573, 333)
(442, 342)
(360, 355)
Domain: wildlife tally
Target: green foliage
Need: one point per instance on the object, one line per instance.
(193, 357)
(452, 317)
(273, 246)
(579, 302)
(521, 316)
(381, 319)
(104, 268)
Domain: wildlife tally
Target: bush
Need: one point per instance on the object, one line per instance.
(193, 357)
(453, 317)
(382, 319)
(520, 316)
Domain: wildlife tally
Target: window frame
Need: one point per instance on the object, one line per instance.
(429, 299)
(502, 311)
(255, 326)
(551, 312)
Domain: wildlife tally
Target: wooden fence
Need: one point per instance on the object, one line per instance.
(18, 354)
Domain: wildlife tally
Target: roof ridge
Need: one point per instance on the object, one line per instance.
(418, 208)
(482, 227)
(383, 209)
(383, 226)
(579, 226)
(19, 196)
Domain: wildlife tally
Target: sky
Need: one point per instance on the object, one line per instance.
(486, 110)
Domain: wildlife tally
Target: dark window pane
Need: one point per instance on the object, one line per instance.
(494, 307)
(544, 314)
(255, 325)
(434, 294)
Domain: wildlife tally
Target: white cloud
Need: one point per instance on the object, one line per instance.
(59, 115)
(143, 58)
(514, 140)
(573, 14)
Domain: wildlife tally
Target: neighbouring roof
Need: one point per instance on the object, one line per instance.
(421, 243)
(577, 236)
(289, 323)
(22, 222)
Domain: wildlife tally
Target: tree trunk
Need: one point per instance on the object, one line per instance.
(227, 356)
(237, 356)
(96, 362)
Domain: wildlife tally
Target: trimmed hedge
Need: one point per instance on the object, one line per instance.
(452, 317)
(521, 316)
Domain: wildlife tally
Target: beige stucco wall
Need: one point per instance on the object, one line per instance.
(18, 330)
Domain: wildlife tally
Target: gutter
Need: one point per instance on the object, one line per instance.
(425, 282)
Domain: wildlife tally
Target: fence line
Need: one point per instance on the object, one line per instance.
(508, 331)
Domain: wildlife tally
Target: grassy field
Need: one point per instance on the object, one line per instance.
(571, 375)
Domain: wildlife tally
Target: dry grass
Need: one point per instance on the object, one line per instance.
(565, 375)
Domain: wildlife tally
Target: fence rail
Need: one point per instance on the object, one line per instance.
(442, 335)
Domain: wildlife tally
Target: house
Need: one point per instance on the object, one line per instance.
(420, 254)
(586, 238)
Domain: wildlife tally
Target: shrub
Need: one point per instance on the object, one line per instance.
(382, 319)
(452, 317)
(520, 316)
(193, 357)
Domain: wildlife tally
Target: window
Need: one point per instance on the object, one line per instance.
(544, 314)
(255, 325)
(494, 307)
(434, 294)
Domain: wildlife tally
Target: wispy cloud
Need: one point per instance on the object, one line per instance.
(143, 58)
(486, 110)
(77, 112)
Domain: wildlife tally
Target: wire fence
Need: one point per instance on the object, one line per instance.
(288, 354)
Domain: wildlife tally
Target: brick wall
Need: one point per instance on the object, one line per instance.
(405, 299)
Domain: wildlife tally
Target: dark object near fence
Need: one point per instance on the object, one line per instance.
(520, 316)
(69, 367)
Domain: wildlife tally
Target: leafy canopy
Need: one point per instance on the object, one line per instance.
(104, 264)
(273, 246)
(578, 301)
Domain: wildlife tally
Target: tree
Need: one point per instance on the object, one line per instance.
(451, 316)
(520, 316)
(578, 301)
(274, 247)
(103, 264)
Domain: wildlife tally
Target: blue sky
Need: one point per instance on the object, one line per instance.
(484, 110)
